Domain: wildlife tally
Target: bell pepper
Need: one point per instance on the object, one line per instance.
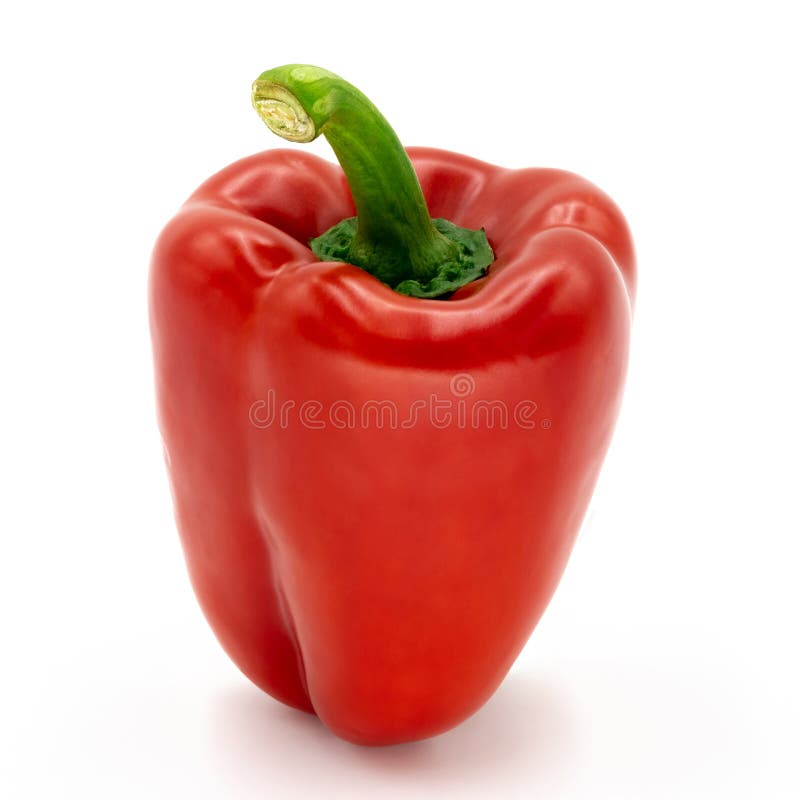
(380, 456)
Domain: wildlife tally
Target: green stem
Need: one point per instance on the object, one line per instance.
(394, 237)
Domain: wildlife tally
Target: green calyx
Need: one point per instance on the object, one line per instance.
(470, 260)
(393, 236)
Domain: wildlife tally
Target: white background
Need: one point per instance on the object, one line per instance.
(665, 666)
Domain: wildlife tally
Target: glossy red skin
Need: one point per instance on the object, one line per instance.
(384, 579)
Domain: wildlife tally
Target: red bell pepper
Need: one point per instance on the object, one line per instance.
(377, 492)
